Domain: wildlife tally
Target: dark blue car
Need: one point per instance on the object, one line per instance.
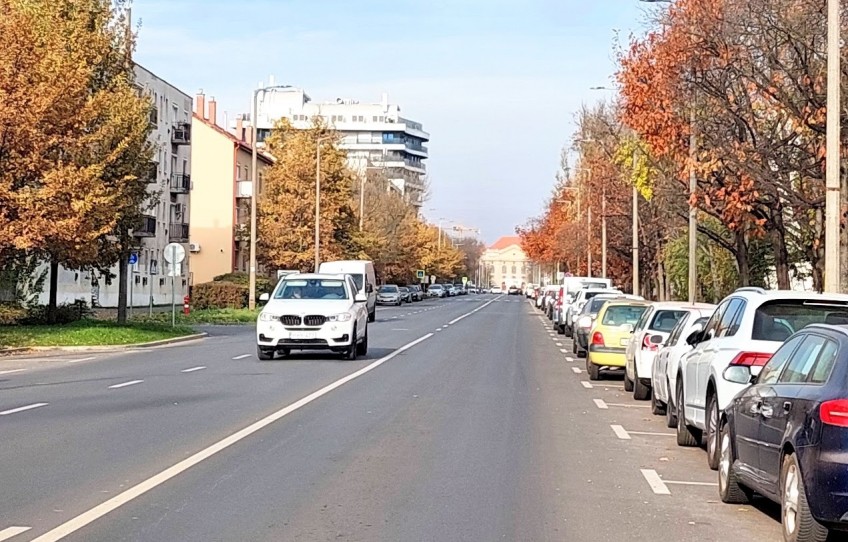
(786, 436)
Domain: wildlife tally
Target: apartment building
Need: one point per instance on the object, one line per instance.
(166, 218)
(220, 195)
(375, 135)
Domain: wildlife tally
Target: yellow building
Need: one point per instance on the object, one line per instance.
(505, 263)
(220, 196)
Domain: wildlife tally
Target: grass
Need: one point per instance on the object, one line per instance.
(203, 316)
(88, 333)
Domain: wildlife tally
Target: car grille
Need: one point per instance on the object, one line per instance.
(314, 320)
(291, 320)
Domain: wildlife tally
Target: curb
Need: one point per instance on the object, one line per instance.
(104, 348)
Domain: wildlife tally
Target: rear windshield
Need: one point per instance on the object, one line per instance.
(777, 320)
(666, 320)
(596, 304)
(618, 315)
(388, 289)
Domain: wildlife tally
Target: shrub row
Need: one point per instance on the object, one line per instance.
(219, 295)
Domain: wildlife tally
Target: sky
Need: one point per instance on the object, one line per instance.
(496, 83)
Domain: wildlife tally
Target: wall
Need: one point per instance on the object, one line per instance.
(511, 256)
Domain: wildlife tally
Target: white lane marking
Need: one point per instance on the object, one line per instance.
(559, 344)
(681, 483)
(9, 532)
(600, 404)
(10, 371)
(586, 385)
(141, 488)
(23, 408)
(193, 369)
(400, 329)
(624, 405)
(438, 329)
(569, 358)
(563, 350)
(619, 386)
(656, 483)
(243, 356)
(652, 434)
(125, 384)
(576, 370)
(82, 359)
(620, 432)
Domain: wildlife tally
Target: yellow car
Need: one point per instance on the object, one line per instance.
(609, 337)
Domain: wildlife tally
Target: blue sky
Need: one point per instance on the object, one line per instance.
(495, 82)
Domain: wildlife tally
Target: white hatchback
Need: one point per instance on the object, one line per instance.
(313, 312)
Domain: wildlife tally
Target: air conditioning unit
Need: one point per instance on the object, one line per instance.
(194, 247)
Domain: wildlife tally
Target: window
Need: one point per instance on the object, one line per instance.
(737, 320)
(312, 289)
(643, 320)
(728, 317)
(618, 315)
(827, 358)
(775, 365)
(802, 361)
(777, 320)
(712, 325)
(665, 320)
(678, 329)
(513, 270)
(503, 269)
(374, 118)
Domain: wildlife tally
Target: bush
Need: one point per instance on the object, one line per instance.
(65, 314)
(11, 314)
(219, 295)
(263, 284)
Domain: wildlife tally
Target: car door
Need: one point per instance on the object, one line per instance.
(636, 340)
(660, 369)
(697, 366)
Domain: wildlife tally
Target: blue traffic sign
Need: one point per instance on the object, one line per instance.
(133, 258)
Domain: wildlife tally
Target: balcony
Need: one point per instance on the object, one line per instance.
(181, 134)
(180, 183)
(154, 116)
(244, 189)
(147, 228)
(178, 232)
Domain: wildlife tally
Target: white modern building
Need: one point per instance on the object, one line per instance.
(166, 220)
(375, 135)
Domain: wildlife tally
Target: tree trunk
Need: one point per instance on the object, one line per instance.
(123, 271)
(781, 254)
(742, 260)
(54, 291)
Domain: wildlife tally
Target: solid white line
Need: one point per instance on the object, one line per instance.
(10, 371)
(651, 434)
(569, 358)
(82, 359)
(600, 404)
(656, 483)
(191, 370)
(23, 408)
(243, 356)
(620, 432)
(624, 405)
(115, 502)
(710, 484)
(125, 384)
(586, 385)
(576, 370)
(9, 532)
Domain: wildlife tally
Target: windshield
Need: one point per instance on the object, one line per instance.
(618, 315)
(312, 289)
(436, 287)
(359, 280)
(389, 289)
(665, 320)
(777, 320)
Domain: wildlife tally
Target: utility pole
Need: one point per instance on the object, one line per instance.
(693, 213)
(251, 295)
(635, 228)
(589, 242)
(604, 232)
(832, 280)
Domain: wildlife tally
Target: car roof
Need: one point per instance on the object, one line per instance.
(837, 328)
(753, 292)
(682, 305)
(308, 276)
(628, 302)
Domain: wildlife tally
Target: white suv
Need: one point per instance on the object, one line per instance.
(313, 312)
(745, 330)
(565, 320)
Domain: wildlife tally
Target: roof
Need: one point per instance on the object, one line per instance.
(267, 158)
(683, 305)
(506, 241)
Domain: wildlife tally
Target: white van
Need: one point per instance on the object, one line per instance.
(363, 275)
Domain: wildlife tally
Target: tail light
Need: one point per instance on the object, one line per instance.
(597, 339)
(834, 412)
(648, 345)
(751, 359)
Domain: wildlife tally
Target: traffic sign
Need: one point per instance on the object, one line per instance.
(464, 281)
(175, 253)
(133, 259)
(420, 273)
(432, 279)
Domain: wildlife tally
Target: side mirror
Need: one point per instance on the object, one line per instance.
(693, 338)
(360, 298)
(656, 339)
(739, 375)
(264, 298)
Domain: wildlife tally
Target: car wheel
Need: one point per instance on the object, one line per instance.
(560, 329)
(568, 332)
(264, 354)
(350, 352)
(657, 408)
(641, 391)
(593, 370)
(729, 489)
(628, 384)
(687, 436)
(362, 347)
(798, 522)
(713, 450)
(670, 413)
(573, 347)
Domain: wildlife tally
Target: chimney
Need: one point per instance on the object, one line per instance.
(240, 128)
(200, 104)
(213, 111)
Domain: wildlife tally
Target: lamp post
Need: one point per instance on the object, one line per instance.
(832, 282)
(318, 199)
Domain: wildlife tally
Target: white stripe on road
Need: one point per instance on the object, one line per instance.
(564, 351)
(23, 408)
(576, 370)
(191, 370)
(625, 405)
(243, 356)
(656, 483)
(708, 484)
(125, 384)
(652, 434)
(560, 345)
(620, 432)
(9, 532)
(10, 371)
(400, 329)
(82, 359)
(119, 500)
(586, 385)
(600, 404)
(569, 358)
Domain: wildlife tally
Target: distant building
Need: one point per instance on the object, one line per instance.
(374, 135)
(220, 195)
(165, 222)
(506, 264)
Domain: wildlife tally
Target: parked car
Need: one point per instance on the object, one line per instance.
(313, 312)
(495, 290)
(473, 290)
(784, 436)
(389, 294)
(613, 326)
(569, 307)
(651, 331)
(667, 362)
(585, 320)
(514, 290)
(436, 290)
(746, 329)
(460, 289)
(451, 290)
(405, 294)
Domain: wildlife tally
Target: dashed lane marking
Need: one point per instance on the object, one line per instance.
(576, 370)
(564, 351)
(193, 369)
(569, 358)
(125, 384)
(22, 409)
(242, 356)
(656, 483)
(620, 432)
(586, 385)
(600, 403)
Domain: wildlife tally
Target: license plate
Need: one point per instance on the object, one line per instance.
(303, 335)
(624, 342)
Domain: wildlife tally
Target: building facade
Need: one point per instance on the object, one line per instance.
(375, 135)
(166, 217)
(220, 195)
(506, 264)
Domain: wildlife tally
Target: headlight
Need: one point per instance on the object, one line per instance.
(343, 317)
(268, 317)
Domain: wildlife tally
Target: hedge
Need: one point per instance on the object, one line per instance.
(219, 295)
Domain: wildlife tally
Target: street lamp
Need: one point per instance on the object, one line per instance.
(832, 282)
(318, 199)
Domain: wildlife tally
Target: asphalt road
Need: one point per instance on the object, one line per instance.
(468, 420)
